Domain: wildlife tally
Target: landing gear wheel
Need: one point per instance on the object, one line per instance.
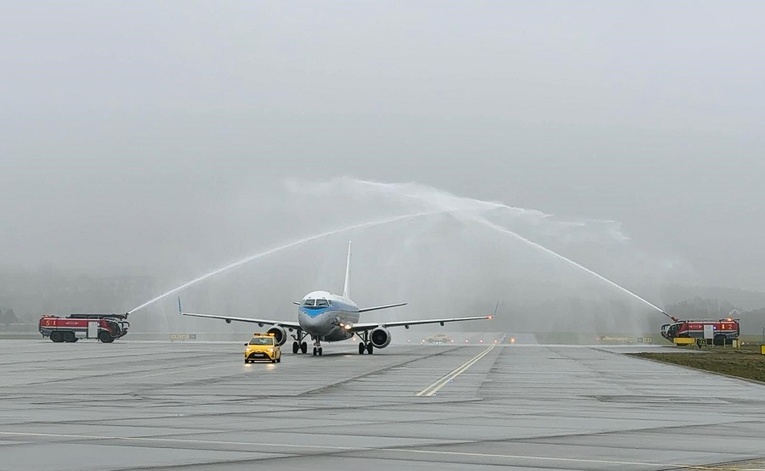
(295, 347)
(320, 351)
(370, 348)
(304, 347)
(314, 351)
(361, 348)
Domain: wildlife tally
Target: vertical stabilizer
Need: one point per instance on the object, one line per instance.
(347, 287)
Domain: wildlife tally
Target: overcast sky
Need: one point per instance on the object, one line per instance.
(132, 133)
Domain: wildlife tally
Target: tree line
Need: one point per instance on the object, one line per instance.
(8, 317)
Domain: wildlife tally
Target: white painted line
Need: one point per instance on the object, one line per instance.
(435, 387)
(179, 371)
(171, 440)
(550, 458)
(365, 449)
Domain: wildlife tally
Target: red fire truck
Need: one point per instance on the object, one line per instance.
(718, 332)
(104, 327)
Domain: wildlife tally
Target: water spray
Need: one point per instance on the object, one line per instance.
(462, 208)
(450, 203)
(284, 247)
(544, 249)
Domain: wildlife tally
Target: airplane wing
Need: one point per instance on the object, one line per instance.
(377, 308)
(228, 319)
(371, 325)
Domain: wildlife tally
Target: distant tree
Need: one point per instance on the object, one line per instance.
(8, 317)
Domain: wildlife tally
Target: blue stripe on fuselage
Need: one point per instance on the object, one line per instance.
(313, 311)
(316, 311)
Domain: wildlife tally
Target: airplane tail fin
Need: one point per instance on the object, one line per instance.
(347, 286)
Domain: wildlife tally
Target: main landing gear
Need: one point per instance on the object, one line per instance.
(299, 345)
(365, 344)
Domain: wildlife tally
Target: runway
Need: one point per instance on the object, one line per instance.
(196, 406)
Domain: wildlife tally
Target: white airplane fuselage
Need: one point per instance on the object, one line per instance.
(325, 316)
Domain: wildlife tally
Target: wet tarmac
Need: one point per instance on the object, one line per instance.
(196, 406)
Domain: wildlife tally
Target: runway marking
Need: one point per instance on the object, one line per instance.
(176, 440)
(184, 371)
(575, 460)
(435, 387)
(368, 449)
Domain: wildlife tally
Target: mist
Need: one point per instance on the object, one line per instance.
(143, 145)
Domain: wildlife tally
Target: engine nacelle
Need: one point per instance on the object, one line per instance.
(279, 334)
(380, 337)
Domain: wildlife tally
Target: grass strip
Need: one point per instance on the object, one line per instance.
(745, 363)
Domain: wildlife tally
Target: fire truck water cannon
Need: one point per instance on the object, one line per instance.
(104, 327)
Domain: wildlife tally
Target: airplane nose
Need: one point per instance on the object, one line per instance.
(314, 324)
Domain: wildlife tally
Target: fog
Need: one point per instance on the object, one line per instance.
(166, 140)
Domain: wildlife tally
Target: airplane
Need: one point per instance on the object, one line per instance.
(332, 318)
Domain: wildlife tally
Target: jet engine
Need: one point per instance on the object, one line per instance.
(380, 337)
(280, 335)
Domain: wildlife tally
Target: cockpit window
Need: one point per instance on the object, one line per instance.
(315, 303)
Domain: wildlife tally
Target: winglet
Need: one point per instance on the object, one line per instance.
(347, 286)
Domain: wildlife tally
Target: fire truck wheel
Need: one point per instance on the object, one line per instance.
(69, 337)
(56, 337)
(104, 337)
